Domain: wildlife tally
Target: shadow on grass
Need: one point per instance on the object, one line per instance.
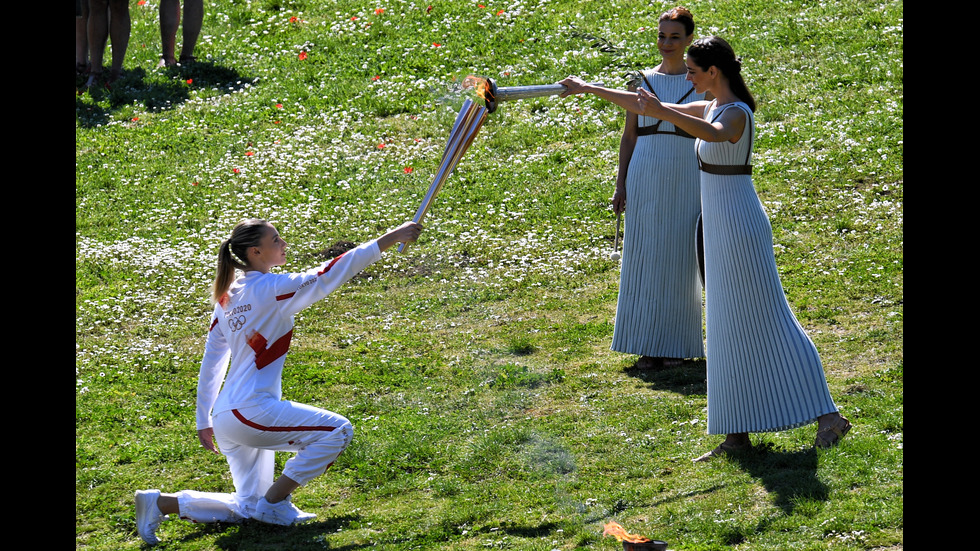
(158, 90)
(531, 532)
(690, 378)
(790, 477)
(253, 534)
(687, 495)
(522, 531)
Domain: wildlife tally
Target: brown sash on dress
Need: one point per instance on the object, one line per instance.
(730, 170)
(655, 128)
(724, 170)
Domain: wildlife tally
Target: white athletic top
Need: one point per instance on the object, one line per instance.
(255, 326)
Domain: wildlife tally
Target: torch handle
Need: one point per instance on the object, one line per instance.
(508, 93)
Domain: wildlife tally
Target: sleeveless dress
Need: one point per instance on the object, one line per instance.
(764, 372)
(658, 312)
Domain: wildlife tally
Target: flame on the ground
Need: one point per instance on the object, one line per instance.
(615, 530)
(480, 83)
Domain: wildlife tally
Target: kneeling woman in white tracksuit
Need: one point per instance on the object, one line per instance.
(249, 336)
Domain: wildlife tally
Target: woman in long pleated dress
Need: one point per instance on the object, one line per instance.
(764, 372)
(658, 311)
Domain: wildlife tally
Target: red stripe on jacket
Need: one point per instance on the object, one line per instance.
(320, 273)
(265, 356)
(255, 425)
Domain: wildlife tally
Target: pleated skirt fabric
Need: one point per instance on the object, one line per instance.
(764, 372)
(659, 308)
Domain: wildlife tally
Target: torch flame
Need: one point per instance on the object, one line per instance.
(615, 530)
(480, 83)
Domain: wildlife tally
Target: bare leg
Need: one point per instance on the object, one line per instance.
(81, 44)
(169, 21)
(98, 34)
(119, 30)
(193, 21)
(280, 489)
(168, 504)
(81, 38)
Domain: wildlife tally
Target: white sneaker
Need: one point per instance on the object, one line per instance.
(148, 515)
(283, 513)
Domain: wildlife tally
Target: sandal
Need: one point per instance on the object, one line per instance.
(722, 449)
(830, 436)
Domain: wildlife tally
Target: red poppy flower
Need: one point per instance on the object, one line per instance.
(381, 146)
(278, 106)
(249, 153)
(501, 12)
(436, 44)
(481, 6)
(428, 10)
(141, 3)
(353, 18)
(379, 11)
(408, 170)
(376, 77)
(193, 183)
(190, 81)
(235, 170)
(293, 19)
(302, 56)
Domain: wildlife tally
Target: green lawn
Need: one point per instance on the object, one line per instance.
(488, 409)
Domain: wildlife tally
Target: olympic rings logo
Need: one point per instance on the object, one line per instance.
(236, 323)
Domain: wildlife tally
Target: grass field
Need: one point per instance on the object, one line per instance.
(489, 412)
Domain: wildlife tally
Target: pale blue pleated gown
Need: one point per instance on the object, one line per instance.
(658, 312)
(764, 372)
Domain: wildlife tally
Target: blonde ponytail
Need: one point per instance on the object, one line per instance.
(247, 234)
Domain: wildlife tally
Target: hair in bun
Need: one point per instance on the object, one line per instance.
(714, 51)
(682, 15)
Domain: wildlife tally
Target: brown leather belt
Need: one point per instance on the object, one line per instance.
(654, 129)
(725, 170)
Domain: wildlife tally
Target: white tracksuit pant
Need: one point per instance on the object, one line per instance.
(249, 437)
